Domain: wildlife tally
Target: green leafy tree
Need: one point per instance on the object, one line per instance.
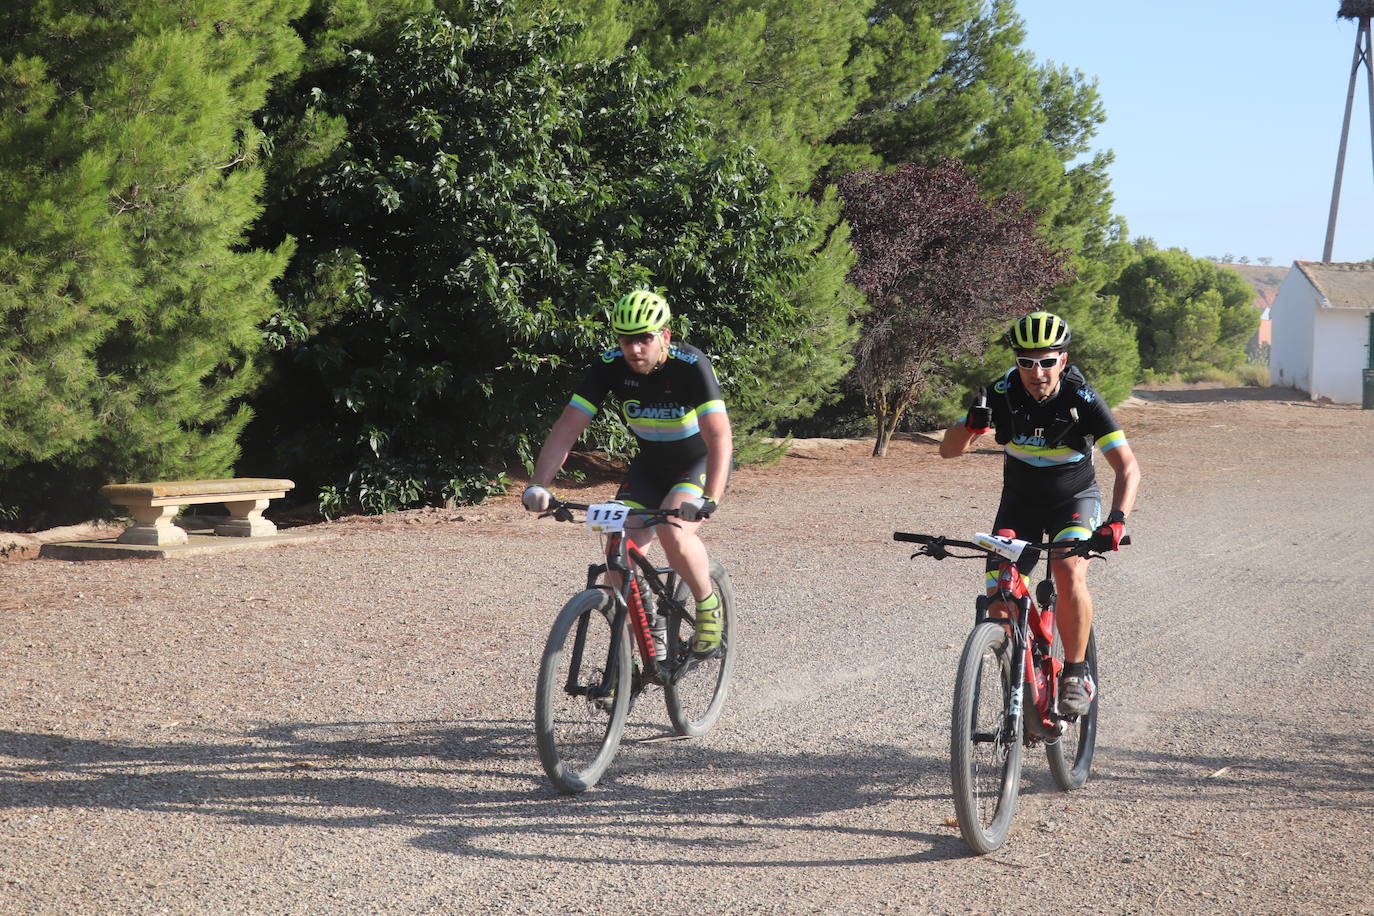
(939, 265)
(949, 79)
(771, 73)
(461, 244)
(1190, 314)
(921, 81)
(128, 174)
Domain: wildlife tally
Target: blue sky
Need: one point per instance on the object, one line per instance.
(1225, 118)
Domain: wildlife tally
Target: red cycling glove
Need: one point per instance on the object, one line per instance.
(1108, 536)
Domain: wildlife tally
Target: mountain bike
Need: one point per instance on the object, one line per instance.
(608, 644)
(1006, 692)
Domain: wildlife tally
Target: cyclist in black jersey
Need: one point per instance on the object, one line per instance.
(1048, 420)
(670, 400)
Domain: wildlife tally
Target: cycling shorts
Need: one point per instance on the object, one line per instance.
(1035, 518)
(648, 482)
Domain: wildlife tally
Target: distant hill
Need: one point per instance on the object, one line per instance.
(1265, 281)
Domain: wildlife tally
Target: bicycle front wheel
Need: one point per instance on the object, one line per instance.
(985, 742)
(1071, 757)
(695, 688)
(583, 695)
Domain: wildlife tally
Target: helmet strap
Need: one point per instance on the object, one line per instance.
(664, 337)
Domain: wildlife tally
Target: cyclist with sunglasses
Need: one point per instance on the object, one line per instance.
(1048, 419)
(670, 400)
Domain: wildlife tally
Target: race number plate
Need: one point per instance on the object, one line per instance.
(607, 518)
(1011, 548)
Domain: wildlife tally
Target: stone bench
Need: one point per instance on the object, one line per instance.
(154, 505)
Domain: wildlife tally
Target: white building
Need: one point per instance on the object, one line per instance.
(1323, 326)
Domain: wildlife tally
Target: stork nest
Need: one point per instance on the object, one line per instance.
(1356, 9)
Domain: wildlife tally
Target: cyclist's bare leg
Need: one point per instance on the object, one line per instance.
(684, 549)
(996, 608)
(1073, 606)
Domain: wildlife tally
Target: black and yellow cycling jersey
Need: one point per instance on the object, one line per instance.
(1049, 444)
(661, 409)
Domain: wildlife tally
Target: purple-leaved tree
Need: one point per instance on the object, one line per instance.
(938, 263)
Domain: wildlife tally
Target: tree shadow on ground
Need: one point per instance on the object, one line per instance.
(475, 789)
(1299, 766)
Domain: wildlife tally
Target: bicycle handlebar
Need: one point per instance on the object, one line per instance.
(562, 510)
(936, 546)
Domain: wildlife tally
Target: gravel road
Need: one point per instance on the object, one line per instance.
(345, 726)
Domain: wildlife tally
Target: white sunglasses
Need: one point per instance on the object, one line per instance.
(1044, 362)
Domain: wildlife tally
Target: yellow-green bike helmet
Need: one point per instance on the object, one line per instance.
(640, 311)
(1040, 331)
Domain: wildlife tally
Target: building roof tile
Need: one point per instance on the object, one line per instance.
(1342, 285)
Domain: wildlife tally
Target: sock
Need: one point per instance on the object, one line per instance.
(1075, 669)
(709, 603)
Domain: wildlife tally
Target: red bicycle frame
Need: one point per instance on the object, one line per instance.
(1040, 676)
(639, 615)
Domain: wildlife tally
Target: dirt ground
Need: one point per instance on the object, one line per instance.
(344, 726)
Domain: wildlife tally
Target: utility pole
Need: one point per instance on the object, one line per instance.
(1361, 11)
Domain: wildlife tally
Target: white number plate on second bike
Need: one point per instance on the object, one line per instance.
(607, 518)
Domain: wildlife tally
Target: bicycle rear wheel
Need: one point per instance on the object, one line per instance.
(578, 732)
(696, 687)
(985, 743)
(1071, 757)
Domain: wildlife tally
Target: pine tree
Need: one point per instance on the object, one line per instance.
(129, 176)
(776, 74)
(1191, 314)
(779, 76)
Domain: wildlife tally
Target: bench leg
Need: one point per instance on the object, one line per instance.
(245, 520)
(153, 527)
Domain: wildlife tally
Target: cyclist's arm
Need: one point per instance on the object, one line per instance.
(562, 438)
(1127, 471)
(720, 448)
(957, 440)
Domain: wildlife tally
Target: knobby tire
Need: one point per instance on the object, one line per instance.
(985, 748)
(696, 693)
(577, 734)
(1071, 757)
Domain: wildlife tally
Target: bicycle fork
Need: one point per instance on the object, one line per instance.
(1017, 630)
(592, 691)
(1016, 709)
(629, 605)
